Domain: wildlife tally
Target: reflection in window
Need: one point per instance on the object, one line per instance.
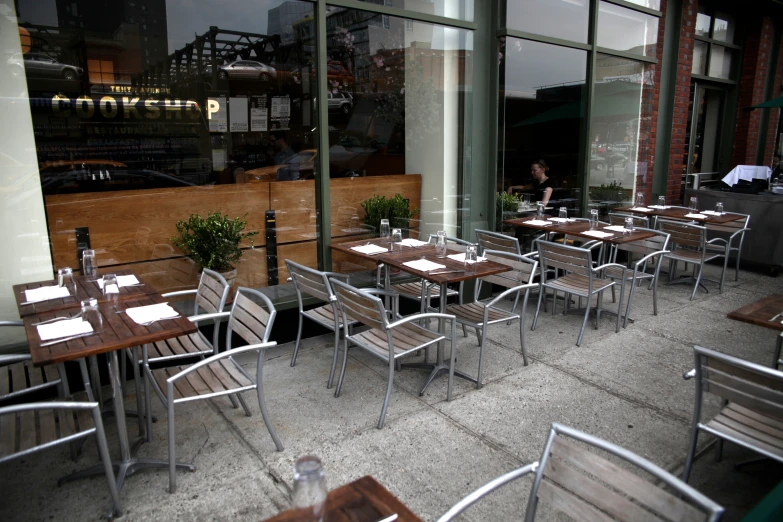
(458, 9)
(720, 62)
(626, 30)
(652, 4)
(699, 57)
(541, 115)
(566, 19)
(703, 22)
(620, 131)
(724, 28)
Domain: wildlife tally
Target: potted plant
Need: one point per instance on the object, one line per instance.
(505, 207)
(396, 209)
(213, 242)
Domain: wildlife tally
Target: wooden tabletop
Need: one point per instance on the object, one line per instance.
(679, 213)
(119, 331)
(761, 311)
(398, 257)
(84, 289)
(578, 228)
(363, 500)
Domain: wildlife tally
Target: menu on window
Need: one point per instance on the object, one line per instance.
(259, 118)
(238, 112)
(281, 111)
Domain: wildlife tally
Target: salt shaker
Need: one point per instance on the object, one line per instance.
(310, 488)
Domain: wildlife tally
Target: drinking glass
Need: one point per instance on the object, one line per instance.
(65, 279)
(396, 238)
(92, 315)
(694, 204)
(539, 209)
(441, 249)
(310, 488)
(629, 224)
(527, 200)
(89, 265)
(563, 213)
(594, 219)
(384, 229)
(719, 207)
(662, 201)
(520, 206)
(471, 257)
(639, 199)
(111, 289)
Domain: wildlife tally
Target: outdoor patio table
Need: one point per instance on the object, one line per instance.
(578, 228)
(768, 313)
(454, 272)
(119, 331)
(679, 213)
(363, 500)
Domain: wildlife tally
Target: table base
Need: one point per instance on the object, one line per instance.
(689, 280)
(436, 370)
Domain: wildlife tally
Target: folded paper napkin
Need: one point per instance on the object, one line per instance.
(696, 216)
(370, 249)
(147, 314)
(424, 265)
(413, 242)
(64, 328)
(538, 222)
(122, 280)
(461, 257)
(659, 207)
(617, 228)
(597, 233)
(641, 209)
(712, 213)
(561, 220)
(45, 293)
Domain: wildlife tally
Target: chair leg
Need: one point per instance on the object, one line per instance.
(698, 280)
(584, 323)
(655, 295)
(719, 450)
(620, 306)
(388, 394)
(737, 265)
(478, 335)
(172, 447)
(243, 403)
(481, 356)
(522, 334)
(554, 302)
(234, 402)
(686, 473)
(137, 385)
(464, 330)
(262, 404)
(628, 306)
(342, 369)
(103, 451)
(147, 404)
(723, 273)
(599, 303)
(334, 357)
(298, 339)
(538, 308)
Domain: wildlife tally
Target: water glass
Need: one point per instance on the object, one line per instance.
(662, 201)
(310, 488)
(441, 249)
(89, 265)
(629, 224)
(92, 315)
(563, 213)
(65, 279)
(471, 257)
(639, 199)
(396, 238)
(539, 209)
(384, 229)
(521, 206)
(594, 219)
(694, 204)
(719, 207)
(111, 289)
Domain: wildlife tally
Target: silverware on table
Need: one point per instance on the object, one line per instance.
(66, 339)
(390, 518)
(156, 320)
(446, 272)
(775, 317)
(59, 319)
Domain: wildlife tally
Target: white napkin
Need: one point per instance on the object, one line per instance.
(461, 257)
(122, 280)
(643, 209)
(597, 233)
(659, 207)
(696, 216)
(370, 249)
(423, 265)
(45, 293)
(413, 242)
(538, 222)
(149, 313)
(712, 213)
(64, 328)
(561, 220)
(617, 228)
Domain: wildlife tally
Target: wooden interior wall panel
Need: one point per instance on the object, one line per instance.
(294, 206)
(303, 253)
(131, 226)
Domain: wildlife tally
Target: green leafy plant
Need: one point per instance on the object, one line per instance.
(212, 242)
(611, 192)
(396, 209)
(505, 202)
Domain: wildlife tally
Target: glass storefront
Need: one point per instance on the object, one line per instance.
(626, 30)
(564, 19)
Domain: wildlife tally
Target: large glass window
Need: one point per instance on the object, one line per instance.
(541, 119)
(626, 30)
(398, 126)
(458, 9)
(147, 112)
(566, 19)
(715, 34)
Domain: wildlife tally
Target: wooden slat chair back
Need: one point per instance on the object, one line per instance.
(570, 259)
(731, 235)
(251, 318)
(523, 270)
(618, 219)
(689, 244)
(753, 415)
(361, 306)
(309, 282)
(643, 247)
(488, 240)
(32, 427)
(578, 476)
(682, 234)
(212, 292)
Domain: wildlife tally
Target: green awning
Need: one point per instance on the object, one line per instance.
(770, 104)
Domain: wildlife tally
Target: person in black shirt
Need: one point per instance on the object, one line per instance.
(542, 184)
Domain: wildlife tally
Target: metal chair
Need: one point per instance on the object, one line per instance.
(651, 250)
(387, 341)
(724, 246)
(219, 374)
(313, 283)
(752, 413)
(580, 278)
(488, 240)
(618, 219)
(32, 427)
(480, 314)
(688, 244)
(583, 484)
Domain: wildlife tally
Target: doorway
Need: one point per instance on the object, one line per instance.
(704, 125)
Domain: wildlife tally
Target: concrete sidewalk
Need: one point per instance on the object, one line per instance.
(626, 388)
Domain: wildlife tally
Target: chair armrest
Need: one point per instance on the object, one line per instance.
(13, 358)
(180, 292)
(740, 231)
(513, 290)
(690, 374)
(221, 355)
(607, 265)
(11, 323)
(717, 240)
(416, 317)
(381, 291)
(650, 256)
(203, 317)
(338, 275)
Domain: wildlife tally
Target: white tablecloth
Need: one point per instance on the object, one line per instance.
(748, 173)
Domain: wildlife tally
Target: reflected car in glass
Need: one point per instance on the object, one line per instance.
(341, 102)
(42, 66)
(64, 177)
(304, 161)
(245, 69)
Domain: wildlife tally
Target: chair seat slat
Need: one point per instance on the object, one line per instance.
(566, 503)
(748, 439)
(8, 434)
(181, 386)
(18, 377)
(756, 416)
(751, 429)
(474, 313)
(34, 374)
(27, 432)
(48, 429)
(223, 376)
(5, 381)
(197, 383)
(214, 384)
(231, 367)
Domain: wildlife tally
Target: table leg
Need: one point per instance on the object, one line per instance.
(778, 345)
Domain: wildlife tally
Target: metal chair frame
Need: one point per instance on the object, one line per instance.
(314, 283)
(579, 279)
(584, 485)
(618, 219)
(735, 229)
(219, 374)
(387, 341)
(752, 413)
(689, 244)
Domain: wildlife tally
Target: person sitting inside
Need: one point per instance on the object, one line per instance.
(542, 184)
(288, 171)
